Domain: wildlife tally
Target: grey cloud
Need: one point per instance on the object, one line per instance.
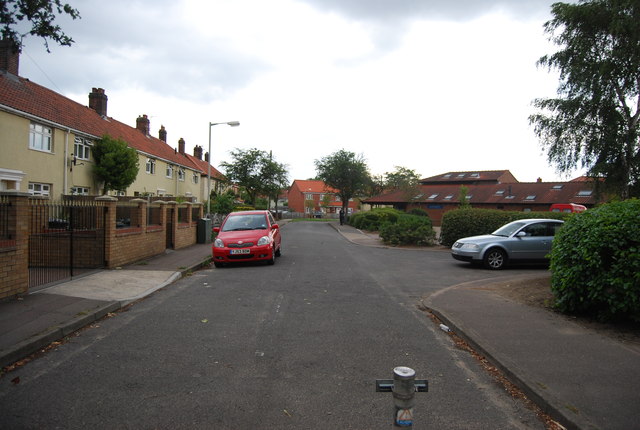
(171, 60)
(390, 10)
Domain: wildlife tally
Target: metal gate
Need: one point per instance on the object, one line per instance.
(66, 239)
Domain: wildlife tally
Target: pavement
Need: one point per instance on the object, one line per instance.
(581, 377)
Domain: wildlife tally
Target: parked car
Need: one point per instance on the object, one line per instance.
(526, 240)
(247, 236)
(567, 207)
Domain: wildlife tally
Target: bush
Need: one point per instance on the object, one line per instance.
(373, 219)
(418, 212)
(460, 223)
(408, 230)
(595, 262)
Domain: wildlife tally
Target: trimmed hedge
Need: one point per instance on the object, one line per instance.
(460, 223)
(408, 230)
(595, 263)
(373, 219)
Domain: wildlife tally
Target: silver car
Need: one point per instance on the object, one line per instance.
(525, 240)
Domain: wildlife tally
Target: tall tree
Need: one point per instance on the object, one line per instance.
(594, 120)
(41, 14)
(116, 164)
(256, 172)
(345, 172)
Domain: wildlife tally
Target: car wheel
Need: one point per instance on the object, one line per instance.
(495, 259)
(272, 260)
(279, 251)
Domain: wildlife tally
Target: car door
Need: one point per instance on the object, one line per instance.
(536, 240)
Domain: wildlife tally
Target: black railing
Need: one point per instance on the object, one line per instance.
(5, 207)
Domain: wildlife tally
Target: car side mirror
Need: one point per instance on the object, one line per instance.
(521, 234)
(216, 229)
(275, 226)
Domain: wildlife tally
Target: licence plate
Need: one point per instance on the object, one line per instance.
(240, 251)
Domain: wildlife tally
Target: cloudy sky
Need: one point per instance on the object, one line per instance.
(430, 85)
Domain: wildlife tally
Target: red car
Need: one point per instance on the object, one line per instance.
(247, 236)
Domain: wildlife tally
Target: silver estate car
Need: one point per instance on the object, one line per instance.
(525, 240)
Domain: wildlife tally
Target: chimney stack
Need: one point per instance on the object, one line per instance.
(206, 157)
(162, 134)
(9, 57)
(142, 124)
(98, 101)
(181, 146)
(197, 152)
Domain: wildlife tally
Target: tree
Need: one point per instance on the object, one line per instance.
(345, 172)
(463, 198)
(41, 14)
(403, 179)
(256, 172)
(594, 120)
(116, 164)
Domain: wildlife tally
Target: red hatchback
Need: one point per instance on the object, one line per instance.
(247, 236)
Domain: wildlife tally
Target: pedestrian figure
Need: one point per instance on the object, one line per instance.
(341, 216)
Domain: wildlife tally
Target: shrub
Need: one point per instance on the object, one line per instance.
(408, 230)
(460, 223)
(595, 262)
(373, 219)
(418, 212)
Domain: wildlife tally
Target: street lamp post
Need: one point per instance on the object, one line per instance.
(211, 124)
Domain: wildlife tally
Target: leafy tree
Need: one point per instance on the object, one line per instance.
(402, 178)
(376, 186)
(463, 198)
(41, 14)
(223, 203)
(116, 164)
(345, 172)
(256, 172)
(594, 120)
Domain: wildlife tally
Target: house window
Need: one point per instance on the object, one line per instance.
(37, 189)
(337, 198)
(557, 187)
(181, 174)
(196, 177)
(432, 196)
(475, 175)
(448, 197)
(500, 193)
(308, 196)
(151, 166)
(461, 175)
(81, 148)
(169, 172)
(80, 191)
(40, 137)
(530, 197)
(584, 193)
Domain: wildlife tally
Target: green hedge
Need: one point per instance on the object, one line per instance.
(408, 230)
(373, 219)
(460, 223)
(595, 262)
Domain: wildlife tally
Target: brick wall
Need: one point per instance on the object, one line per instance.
(14, 261)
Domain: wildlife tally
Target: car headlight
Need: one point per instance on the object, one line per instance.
(470, 246)
(218, 243)
(264, 240)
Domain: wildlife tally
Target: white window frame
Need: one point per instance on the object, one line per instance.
(82, 148)
(80, 191)
(196, 177)
(308, 196)
(181, 174)
(40, 137)
(150, 167)
(169, 171)
(39, 189)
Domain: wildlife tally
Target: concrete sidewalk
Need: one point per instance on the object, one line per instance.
(35, 320)
(583, 379)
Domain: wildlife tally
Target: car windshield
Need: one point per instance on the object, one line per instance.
(508, 229)
(245, 222)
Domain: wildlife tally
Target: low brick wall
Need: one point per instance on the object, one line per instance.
(14, 255)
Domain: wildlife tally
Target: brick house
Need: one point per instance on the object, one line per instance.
(47, 139)
(311, 196)
(497, 189)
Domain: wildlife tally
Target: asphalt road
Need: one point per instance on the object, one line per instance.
(291, 346)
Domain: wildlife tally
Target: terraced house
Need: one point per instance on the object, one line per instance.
(46, 141)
